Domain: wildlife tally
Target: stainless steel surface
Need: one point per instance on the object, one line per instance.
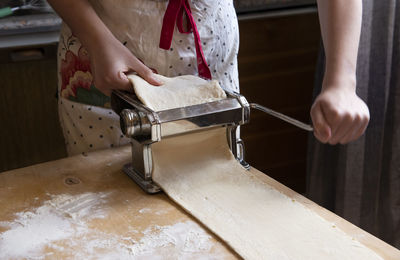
(232, 110)
(193, 112)
(130, 122)
(236, 145)
(282, 117)
(140, 170)
(147, 185)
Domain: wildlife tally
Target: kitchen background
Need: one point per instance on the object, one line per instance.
(278, 52)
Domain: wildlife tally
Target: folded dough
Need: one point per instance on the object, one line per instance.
(176, 92)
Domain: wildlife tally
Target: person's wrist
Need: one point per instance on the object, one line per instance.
(97, 40)
(345, 80)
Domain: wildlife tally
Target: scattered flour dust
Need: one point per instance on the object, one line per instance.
(62, 224)
(144, 210)
(185, 240)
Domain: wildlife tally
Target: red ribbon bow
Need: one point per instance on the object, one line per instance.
(174, 14)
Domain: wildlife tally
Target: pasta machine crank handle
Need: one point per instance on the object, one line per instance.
(282, 117)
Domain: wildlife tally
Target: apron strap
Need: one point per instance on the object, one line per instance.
(174, 14)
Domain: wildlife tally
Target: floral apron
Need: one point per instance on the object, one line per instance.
(155, 31)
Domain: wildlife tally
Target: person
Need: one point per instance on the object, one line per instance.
(360, 181)
(101, 41)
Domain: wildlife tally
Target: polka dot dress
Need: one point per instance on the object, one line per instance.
(87, 123)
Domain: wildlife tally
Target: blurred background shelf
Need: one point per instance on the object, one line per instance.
(28, 27)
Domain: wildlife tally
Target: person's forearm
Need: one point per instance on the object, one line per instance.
(340, 26)
(83, 21)
(110, 60)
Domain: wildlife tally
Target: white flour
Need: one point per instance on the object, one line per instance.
(61, 217)
(62, 225)
(144, 210)
(179, 241)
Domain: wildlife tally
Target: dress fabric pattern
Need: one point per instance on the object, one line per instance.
(87, 121)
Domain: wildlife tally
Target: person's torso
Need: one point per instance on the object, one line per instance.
(137, 24)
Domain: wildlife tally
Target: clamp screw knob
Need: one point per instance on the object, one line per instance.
(130, 123)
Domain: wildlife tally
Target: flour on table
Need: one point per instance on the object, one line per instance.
(179, 241)
(150, 211)
(144, 210)
(62, 217)
(61, 225)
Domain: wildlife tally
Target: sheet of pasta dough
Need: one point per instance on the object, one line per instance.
(176, 92)
(199, 172)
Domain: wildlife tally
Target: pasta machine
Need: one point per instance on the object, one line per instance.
(145, 127)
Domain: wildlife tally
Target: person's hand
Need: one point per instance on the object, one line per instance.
(110, 62)
(339, 115)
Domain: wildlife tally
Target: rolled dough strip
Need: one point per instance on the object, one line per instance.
(199, 172)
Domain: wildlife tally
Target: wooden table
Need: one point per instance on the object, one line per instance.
(85, 206)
